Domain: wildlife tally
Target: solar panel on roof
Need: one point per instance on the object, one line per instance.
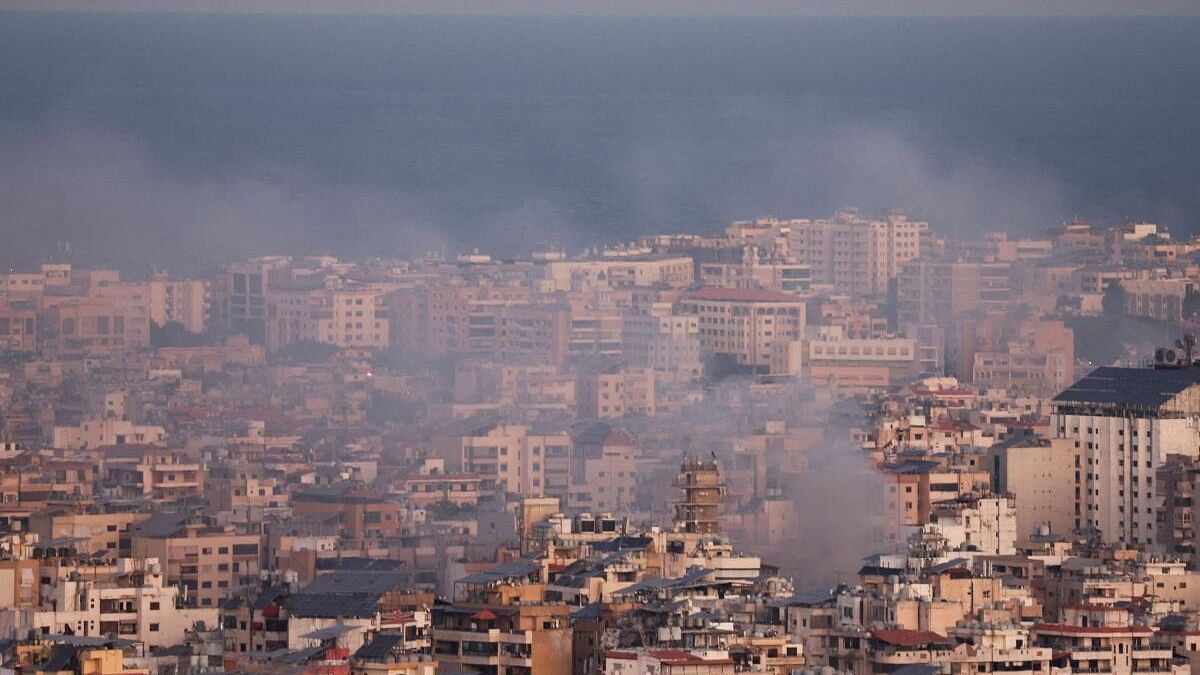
(1146, 387)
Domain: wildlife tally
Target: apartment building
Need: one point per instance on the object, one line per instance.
(855, 365)
(186, 302)
(151, 473)
(932, 292)
(1123, 423)
(133, 602)
(345, 315)
(759, 331)
(107, 533)
(96, 432)
(856, 255)
(206, 562)
(1035, 470)
(240, 294)
(1031, 357)
(616, 392)
(663, 341)
(603, 469)
(360, 514)
(512, 458)
(18, 326)
(621, 271)
(94, 325)
(482, 631)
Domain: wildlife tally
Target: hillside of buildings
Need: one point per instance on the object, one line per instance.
(845, 444)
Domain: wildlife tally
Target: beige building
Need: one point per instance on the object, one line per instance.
(133, 603)
(208, 563)
(93, 531)
(603, 470)
(859, 364)
(619, 271)
(856, 255)
(512, 458)
(345, 315)
(182, 301)
(94, 432)
(1035, 472)
(95, 325)
(760, 331)
(616, 392)
(663, 341)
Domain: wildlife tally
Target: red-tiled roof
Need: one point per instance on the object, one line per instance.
(720, 294)
(484, 615)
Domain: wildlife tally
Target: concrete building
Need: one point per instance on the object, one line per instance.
(205, 561)
(512, 458)
(603, 470)
(663, 341)
(934, 292)
(616, 392)
(620, 271)
(759, 331)
(1036, 471)
(853, 254)
(987, 524)
(699, 509)
(184, 301)
(97, 432)
(18, 326)
(1123, 423)
(345, 315)
(668, 662)
(94, 325)
(858, 364)
(135, 603)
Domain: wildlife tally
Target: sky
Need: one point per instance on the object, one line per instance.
(638, 7)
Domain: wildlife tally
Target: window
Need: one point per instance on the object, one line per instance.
(153, 628)
(154, 606)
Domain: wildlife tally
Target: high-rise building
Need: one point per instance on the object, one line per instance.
(1123, 423)
(856, 255)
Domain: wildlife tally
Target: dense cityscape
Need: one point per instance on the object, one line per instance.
(852, 444)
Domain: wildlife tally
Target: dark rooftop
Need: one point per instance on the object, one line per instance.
(344, 582)
(379, 648)
(1136, 387)
(330, 606)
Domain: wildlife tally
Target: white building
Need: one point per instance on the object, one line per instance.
(987, 525)
(93, 432)
(1123, 422)
(134, 604)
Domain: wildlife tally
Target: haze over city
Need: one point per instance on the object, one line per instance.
(627, 338)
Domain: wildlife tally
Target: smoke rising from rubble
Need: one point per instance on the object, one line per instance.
(840, 502)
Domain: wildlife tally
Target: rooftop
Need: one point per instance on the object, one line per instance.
(720, 294)
(1134, 387)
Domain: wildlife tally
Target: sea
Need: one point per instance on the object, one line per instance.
(188, 139)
